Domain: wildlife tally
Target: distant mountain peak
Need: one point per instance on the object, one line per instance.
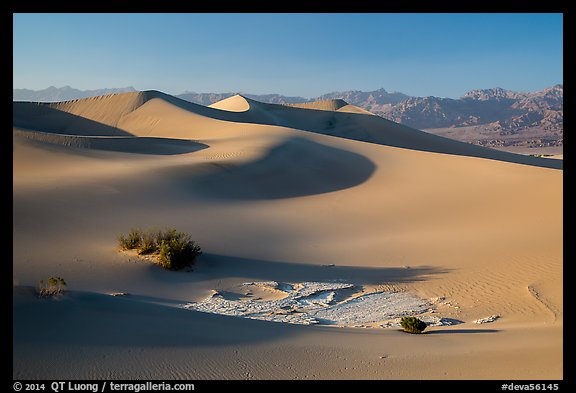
(493, 93)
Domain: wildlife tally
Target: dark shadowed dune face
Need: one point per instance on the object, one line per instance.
(295, 168)
(43, 117)
(123, 144)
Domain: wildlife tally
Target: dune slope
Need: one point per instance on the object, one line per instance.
(285, 194)
(153, 113)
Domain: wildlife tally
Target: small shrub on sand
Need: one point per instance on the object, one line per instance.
(52, 287)
(167, 234)
(413, 325)
(131, 241)
(148, 244)
(177, 253)
(173, 250)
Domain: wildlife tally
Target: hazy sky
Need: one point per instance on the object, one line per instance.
(291, 54)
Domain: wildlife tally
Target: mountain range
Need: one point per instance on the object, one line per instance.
(490, 117)
(66, 93)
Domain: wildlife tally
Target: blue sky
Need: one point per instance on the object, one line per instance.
(304, 55)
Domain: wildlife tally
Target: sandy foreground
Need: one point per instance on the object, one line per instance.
(276, 193)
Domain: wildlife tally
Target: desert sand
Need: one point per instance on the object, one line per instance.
(319, 192)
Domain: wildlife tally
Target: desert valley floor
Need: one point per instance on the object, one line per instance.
(281, 199)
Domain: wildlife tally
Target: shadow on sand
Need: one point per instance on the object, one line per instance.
(214, 266)
(119, 144)
(83, 319)
(462, 331)
(42, 117)
(294, 168)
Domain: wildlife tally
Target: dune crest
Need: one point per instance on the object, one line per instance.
(322, 105)
(104, 109)
(334, 105)
(236, 103)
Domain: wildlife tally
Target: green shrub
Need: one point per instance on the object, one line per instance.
(52, 287)
(413, 325)
(174, 250)
(177, 253)
(131, 241)
(167, 235)
(148, 243)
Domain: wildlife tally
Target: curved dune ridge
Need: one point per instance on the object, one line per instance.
(292, 168)
(123, 144)
(236, 103)
(104, 109)
(99, 123)
(108, 110)
(322, 105)
(355, 109)
(48, 118)
(338, 105)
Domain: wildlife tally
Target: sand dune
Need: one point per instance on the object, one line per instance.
(131, 144)
(235, 103)
(153, 113)
(331, 105)
(292, 168)
(322, 105)
(45, 118)
(354, 109)
(287, 194)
